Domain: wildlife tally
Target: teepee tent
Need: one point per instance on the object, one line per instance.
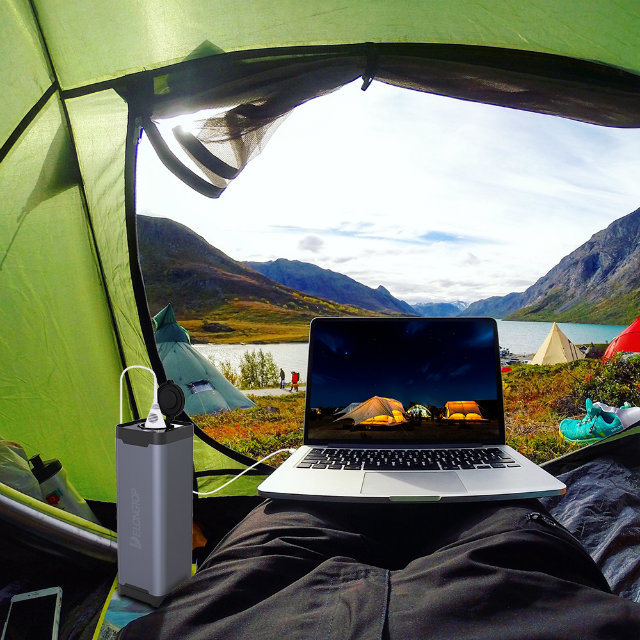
(377, 411)
(556, 348)
(205, 389)
(626, 341)
(82, 80)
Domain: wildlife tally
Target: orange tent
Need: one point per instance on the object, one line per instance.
(463, 410)
(378, 411)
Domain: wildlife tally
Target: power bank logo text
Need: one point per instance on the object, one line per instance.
(136, 523)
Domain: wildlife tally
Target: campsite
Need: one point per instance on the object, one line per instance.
(381, 418)
(83, 352)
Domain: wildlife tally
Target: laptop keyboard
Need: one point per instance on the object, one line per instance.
(406, 459)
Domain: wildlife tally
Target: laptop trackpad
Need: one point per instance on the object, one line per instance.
(412, 483)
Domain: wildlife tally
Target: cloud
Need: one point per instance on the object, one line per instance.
(361, 232)
(470, 284)
(471, 259)
(342, 259)
(517, 284)
(311, 243)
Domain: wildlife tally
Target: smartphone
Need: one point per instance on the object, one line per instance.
(34, 615)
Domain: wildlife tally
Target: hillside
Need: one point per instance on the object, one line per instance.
(599, 282)
(218, 298)
(330, 285)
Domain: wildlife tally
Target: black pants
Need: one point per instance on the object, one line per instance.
(336, 571)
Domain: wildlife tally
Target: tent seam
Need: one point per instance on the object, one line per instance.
(28, 118)
(362, 48)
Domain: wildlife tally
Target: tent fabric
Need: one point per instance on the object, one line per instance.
(377, 411)
(601, 506)
(167, 328)
(25, 73)
(627, 340)
(556, 348)
(602, 509)
(61, 359)
(122, 38)
(205, 389)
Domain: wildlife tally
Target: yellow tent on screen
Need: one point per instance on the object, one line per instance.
(378, 411)
(462, 410)
(556, 348)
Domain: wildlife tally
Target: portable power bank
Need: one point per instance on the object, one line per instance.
(154, 509)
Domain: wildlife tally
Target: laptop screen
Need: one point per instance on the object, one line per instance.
(404, 380)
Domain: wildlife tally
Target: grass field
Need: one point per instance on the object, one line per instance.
(276, 423)
(262, 322)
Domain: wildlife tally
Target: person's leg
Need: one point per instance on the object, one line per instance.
(504, 571)
(294, 569)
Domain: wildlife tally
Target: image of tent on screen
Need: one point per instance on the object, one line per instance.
(408, 380)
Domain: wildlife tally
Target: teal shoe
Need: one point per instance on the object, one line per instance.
(596, 425)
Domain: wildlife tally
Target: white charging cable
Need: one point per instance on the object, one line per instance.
(154, 419)
(208, 493)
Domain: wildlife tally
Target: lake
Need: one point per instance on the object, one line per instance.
(518, 337)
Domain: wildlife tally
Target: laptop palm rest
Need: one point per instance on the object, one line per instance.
(427, 484)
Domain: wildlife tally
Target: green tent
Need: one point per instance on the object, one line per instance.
(205, 389)
(81, 80)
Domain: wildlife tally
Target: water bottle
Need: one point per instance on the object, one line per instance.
(57, 490)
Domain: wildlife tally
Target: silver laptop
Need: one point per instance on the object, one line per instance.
(405, 409)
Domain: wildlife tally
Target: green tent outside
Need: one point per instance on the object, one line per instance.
(205, 389)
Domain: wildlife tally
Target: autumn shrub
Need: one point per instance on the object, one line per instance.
(613, 382)
(226, 369)
(542, 395)
(274, 423)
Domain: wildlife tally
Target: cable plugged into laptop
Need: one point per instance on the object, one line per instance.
(253, 466)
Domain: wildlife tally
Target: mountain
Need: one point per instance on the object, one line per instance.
(495, 306)
(599, 282)
(213, 294)
(328, 284)
(439, 309)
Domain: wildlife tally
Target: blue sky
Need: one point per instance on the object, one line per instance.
(434, 198)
